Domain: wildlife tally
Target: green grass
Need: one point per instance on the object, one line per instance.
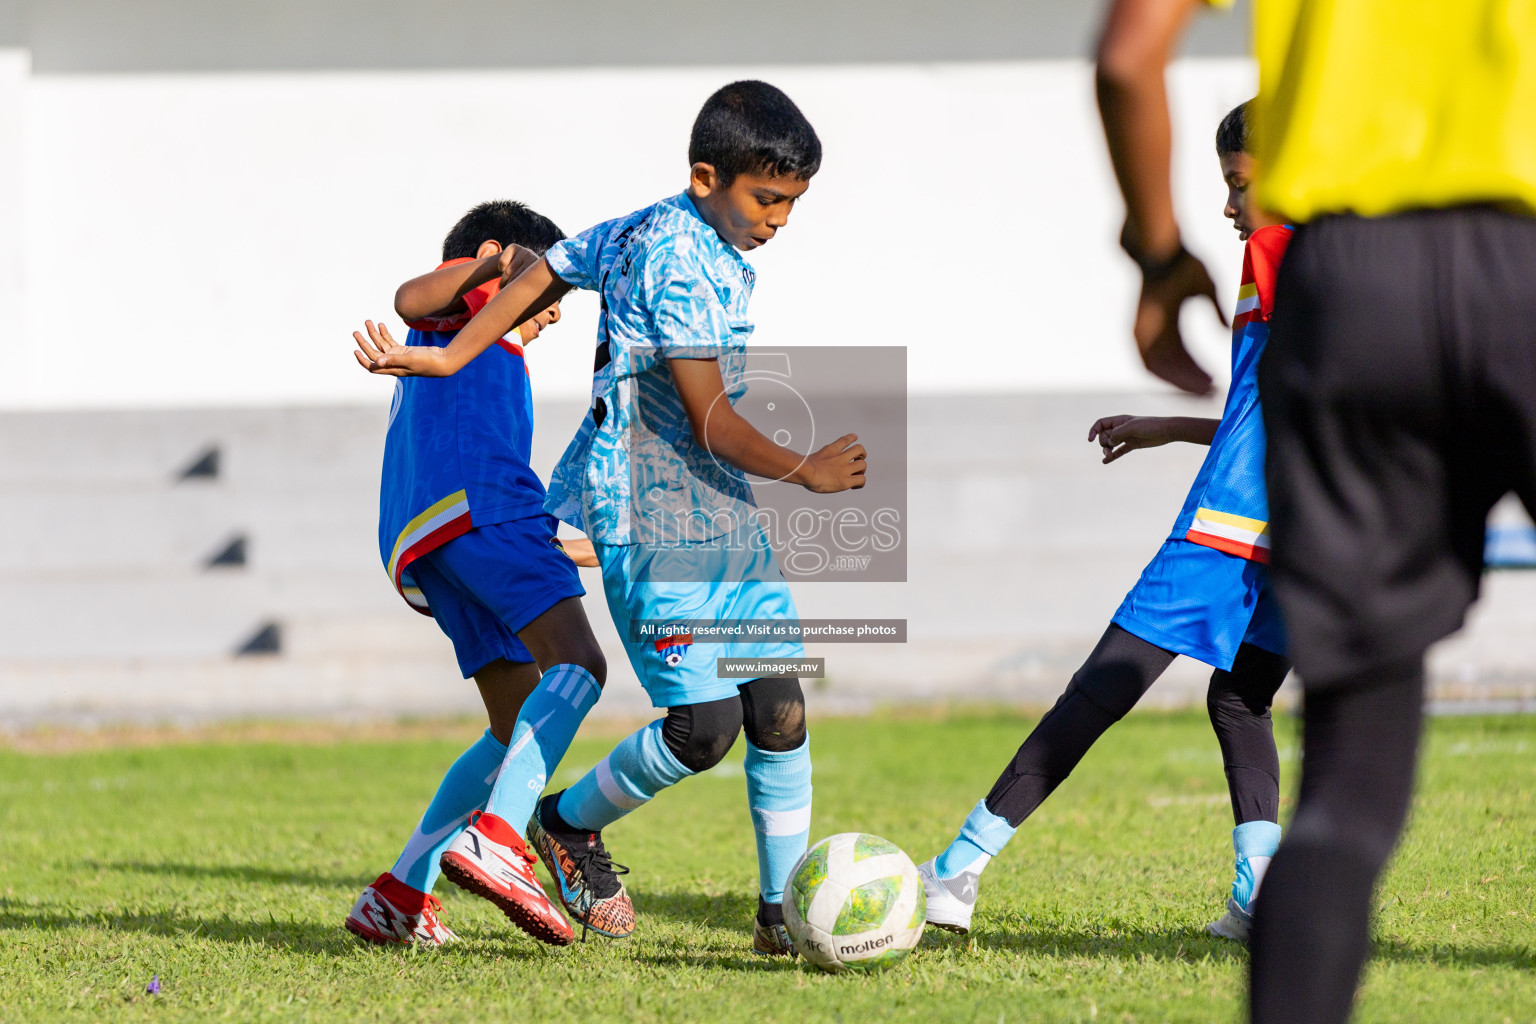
(227, 867)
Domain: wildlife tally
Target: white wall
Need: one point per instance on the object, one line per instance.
(197, 239)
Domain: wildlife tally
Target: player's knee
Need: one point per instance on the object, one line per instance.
(1228, 701)
(700, 735)
(1113, 703)
(773, 712)
(589, 656)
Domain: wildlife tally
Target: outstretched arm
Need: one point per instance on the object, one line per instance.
(1138, 38)
(580, 551)
(441, 293)
(1119, 435)
(726, 435)
(535, 289)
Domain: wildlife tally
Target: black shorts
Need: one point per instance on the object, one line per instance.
(1399, 393)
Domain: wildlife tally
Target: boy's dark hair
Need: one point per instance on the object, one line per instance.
(501, 220)
(753, 128)
(1233, 134)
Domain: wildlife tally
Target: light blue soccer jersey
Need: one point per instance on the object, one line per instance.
(671, 288)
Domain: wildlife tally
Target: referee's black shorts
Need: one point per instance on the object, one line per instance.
(1399, 394)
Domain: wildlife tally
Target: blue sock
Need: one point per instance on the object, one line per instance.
(1255, 843)
(982, 837)
(544, 730)
(634, 771)
(779, 796)
(462, 791)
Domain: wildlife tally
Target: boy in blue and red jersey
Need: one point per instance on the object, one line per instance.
(1205, 595)
(465, 539)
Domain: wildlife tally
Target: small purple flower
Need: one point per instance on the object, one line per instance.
(153, 988)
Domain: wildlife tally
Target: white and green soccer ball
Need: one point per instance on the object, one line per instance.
(854, 903)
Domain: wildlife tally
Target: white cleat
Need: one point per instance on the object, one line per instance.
(1234, 924)
(950, 901)
(379, 919)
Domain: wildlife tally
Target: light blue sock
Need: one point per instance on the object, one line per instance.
(544, 730)
(1255, 843)
(634, 771)
(462, 791)
(982, 837)
(779, 796)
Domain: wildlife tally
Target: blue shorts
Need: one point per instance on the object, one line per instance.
(1203, 603)
(727, 579)
(486, 586)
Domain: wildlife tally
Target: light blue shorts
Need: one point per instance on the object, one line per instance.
(1203, 603)
(725, 580)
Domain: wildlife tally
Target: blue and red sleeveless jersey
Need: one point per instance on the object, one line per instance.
(456, 453)
(1228, 507)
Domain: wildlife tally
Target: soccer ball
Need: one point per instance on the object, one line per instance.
(855, 902)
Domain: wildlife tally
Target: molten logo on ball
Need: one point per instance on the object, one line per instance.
(855, 902)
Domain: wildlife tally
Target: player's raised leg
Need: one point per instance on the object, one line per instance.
(691, 738)
(1238, 702)
(1121, 668)
(778, 769)
(398, 905)
(490, 858)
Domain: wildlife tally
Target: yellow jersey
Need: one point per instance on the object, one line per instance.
(1375, 106)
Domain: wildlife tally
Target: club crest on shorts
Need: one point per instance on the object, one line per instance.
(672, 648)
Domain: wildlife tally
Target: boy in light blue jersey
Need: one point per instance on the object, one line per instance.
(657, 477)
(464, 537)
(1205, 595)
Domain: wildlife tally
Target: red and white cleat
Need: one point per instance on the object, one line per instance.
(491, 860)
(390, 911)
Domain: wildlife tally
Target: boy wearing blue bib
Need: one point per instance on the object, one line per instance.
(1205, 595)
(464, 537)
(657, 477)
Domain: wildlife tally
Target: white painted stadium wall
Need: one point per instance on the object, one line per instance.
(201, 200)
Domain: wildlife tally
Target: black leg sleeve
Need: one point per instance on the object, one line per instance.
(700, 735)
(773, 712)
(1121, 668)
(1238, 702)
(1311, 930)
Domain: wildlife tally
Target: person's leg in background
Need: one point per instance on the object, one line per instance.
(1120, 669)
(1238, 702)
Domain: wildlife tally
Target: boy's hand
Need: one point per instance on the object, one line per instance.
(1118, 435)
(1157, 324)
(381, 353)
(513, 261)
(837, 467)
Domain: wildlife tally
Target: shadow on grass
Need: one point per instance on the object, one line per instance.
(731, 911)
(1110, 940)
(1193, 944)
(248, 873)
(306, 938)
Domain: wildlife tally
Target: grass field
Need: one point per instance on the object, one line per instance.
(226, 865)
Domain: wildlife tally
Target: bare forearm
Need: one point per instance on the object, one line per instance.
(1192, 429)
(737, 443)
(1138, 38)
(442, 291)
(535, 289)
